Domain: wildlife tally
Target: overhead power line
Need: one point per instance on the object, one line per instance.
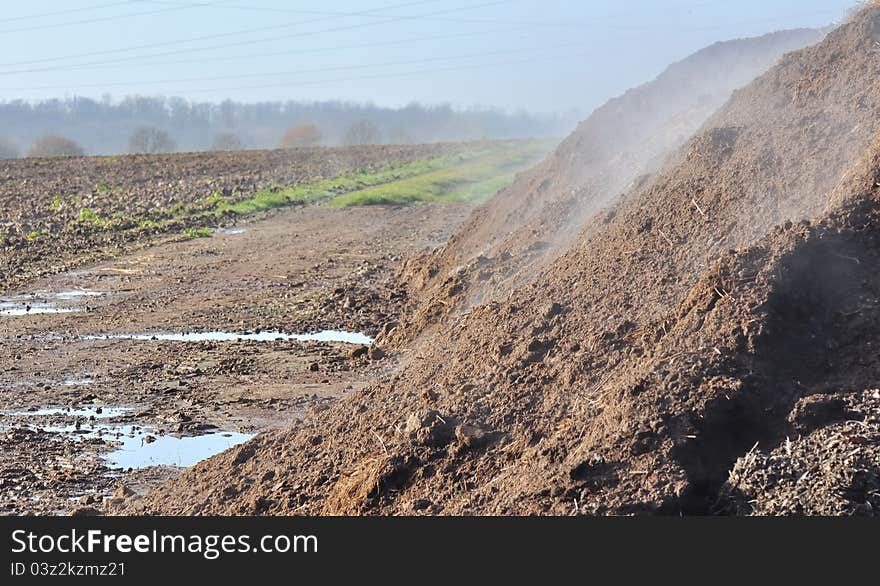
(433, 16)
(66, 11)
(302, 71)
(343, 14)
(310, 51)
(98, 19)
(259, 29)
(431, 71)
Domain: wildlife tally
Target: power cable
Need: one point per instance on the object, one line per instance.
(298, 71)
(242, 32)
(226, 58)
(107, 18)
(398, 74)
(66, 11)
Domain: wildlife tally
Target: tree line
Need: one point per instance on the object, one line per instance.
(155, 124)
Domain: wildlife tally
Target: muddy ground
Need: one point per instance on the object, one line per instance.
(297, 270)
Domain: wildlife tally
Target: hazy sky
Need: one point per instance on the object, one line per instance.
(541, 55)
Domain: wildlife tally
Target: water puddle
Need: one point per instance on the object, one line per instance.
(217, 336)
(139, 447)
(77, 293)
(71, 382)
(86, 412)
(168, 450)
(231, 231)
(33, 308)
(134, 446)
(45, 302)
(76, 382)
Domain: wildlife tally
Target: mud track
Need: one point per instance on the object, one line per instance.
(298, 270)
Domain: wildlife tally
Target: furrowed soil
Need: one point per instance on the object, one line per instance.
(705, 344)
(70, 393)
(58, 213)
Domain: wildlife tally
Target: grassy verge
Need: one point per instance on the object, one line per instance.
(474, 180)
(327, 189)
(467, 176)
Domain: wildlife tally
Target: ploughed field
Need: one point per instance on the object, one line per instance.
(155, 310)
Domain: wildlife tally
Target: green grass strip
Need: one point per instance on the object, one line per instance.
(327, 189)
(476, 180)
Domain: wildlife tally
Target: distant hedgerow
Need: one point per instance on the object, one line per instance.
(55, 146)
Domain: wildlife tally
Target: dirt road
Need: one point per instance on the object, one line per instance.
(84, 414)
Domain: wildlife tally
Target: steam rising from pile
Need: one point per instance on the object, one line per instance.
(692, 328)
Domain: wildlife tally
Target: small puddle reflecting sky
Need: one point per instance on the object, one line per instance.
(76, 293)
(322, 336)
(168, 450)
(96, 412)
(44, 302)
(133, 448)
(72, 382)
(32, 308)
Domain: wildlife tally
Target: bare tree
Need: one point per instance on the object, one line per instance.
(363, 132)
(149, 139)
(301, 135)
(55, 146)
(227, 141)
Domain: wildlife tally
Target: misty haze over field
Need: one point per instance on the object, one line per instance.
(104, 127)
(230, 74)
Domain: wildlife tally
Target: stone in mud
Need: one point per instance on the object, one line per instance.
(314, 367)
(182, 417)
(375, 353)
(359, 352)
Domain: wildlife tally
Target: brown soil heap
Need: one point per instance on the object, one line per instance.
(520, 231)
(699, 325)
